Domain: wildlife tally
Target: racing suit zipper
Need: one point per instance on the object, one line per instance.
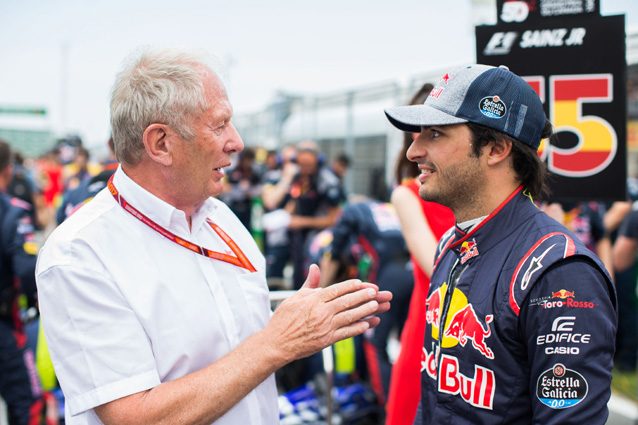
(453, 278)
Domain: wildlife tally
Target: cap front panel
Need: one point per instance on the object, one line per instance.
(449, 94)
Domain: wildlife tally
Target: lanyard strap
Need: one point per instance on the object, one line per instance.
(239, 259)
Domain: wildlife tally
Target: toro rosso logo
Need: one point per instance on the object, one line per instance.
(461, 324)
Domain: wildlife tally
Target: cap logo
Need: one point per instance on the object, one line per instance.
(492, 107)
(436, 92)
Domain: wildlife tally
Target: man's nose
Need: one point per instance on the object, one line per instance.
(235, 142)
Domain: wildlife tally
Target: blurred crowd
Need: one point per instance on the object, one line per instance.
(294, 202)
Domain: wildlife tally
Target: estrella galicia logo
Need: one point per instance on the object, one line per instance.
(560, 388)
(492, 107)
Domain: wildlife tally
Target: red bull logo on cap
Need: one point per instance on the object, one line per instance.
(468, 250)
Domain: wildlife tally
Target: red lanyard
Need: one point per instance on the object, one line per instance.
(239, 259)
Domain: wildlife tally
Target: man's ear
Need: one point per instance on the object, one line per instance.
(497, 151)
(157, 144)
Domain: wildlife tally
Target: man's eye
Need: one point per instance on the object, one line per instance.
(219, 130)
(434, 134)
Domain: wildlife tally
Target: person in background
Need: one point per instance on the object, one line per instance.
(626, 357)
(507, 276)
(340, 166)
(50, 178)
(312, 197)
(423, 223)
(272, 162)
(275, 184)
(19, 386)
(313, 201)
(243, 185)
(383, 258)
(23, 186)
(585, 219)
(624, 257)
(88, 188)
(80, 167)
(153, 296)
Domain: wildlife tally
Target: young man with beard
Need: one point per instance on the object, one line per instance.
(520, 316)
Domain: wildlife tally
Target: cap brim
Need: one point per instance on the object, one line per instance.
(412, 117)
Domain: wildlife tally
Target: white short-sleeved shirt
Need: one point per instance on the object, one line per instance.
(125, 309)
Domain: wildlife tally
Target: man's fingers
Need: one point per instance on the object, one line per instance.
(370, 285)
(356, 328)
(339, 289)
(352, 299)
(383, 307)
(384, 297)
(373, 321)
(355, 314)
(314, 275)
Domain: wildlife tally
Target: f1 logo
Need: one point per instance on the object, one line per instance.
(564, 324)
(501, 43)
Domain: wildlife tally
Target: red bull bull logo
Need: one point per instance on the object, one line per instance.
(468, 250)
(563, 293)
(461, 322)
(433, 308)
(465, 325)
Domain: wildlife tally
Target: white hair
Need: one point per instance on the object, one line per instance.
(164, 86)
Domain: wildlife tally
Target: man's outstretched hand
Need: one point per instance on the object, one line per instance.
(315, 317)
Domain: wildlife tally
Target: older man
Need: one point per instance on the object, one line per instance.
(521, 316)
(153, 295)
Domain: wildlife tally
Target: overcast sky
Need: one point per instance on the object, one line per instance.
(293, 45)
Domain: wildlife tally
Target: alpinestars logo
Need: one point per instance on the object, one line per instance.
(534, 266)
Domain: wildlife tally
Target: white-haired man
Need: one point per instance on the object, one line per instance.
(153, 295)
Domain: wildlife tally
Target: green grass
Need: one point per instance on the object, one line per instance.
(625, 384)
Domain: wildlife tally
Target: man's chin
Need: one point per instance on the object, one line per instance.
(425, 194)
(215, 189)
(429, 195)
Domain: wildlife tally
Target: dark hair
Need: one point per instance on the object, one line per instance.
(404, 167)
(82, 151)
(248, 154)
(343, 158)
(18, 158)
(5, 155)
(529, 168)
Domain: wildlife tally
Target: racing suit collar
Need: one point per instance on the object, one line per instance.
(496, 226)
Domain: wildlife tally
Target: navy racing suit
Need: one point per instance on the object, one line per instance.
(529, 323)
(19, 386)
(377, 230)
